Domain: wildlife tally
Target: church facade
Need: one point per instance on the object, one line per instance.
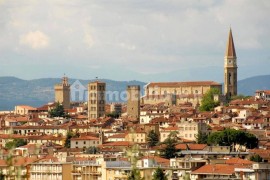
(177, 92)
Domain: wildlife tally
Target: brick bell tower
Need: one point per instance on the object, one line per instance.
(230, 68)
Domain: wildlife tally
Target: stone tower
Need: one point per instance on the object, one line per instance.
(230, 68)
(62, 93)
(133, 101)
(96, 99)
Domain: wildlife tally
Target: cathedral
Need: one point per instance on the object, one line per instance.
(193, 91)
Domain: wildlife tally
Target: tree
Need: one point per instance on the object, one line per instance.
(57, 111)
(231, 137)
(70, 135)
(134, 174)
(113, 115)
(152, 138)
(201, 138)
(92, 150)
(15, 143)
(208, 103)
(133, 153)
(2, 176)
(256, 158)
(169, 150)
(159, 175)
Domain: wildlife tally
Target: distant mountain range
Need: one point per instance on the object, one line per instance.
(15, 91)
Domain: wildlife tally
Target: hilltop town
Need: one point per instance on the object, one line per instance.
(178, 130)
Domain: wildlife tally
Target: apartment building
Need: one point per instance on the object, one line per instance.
(51, 169)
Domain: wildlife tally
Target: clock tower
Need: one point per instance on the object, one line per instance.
(230, 68)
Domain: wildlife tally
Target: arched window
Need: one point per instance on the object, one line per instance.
(153, 92)
(196, 91)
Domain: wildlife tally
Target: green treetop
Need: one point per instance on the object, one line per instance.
(152, 138)
(208, 103)
(159, 175)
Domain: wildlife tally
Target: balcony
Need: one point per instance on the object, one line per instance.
(76, 172)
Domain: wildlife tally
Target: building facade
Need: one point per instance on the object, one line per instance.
(62, 93)
(96, 99)
(177, 92)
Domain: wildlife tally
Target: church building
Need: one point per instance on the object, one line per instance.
(193, 91)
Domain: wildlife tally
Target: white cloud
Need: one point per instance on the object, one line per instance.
(88, 40)
(138, 35)
(35, 40)
(127, 46)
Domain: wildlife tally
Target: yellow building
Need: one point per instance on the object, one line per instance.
(24, 109)
(83, 170)
(137, 136)
(48, 169)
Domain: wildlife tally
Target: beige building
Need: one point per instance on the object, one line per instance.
(133, 102)
(177, 92)
(62, 93)
(24, 109)
(137, 136)
(230, 68)
(190, 129)
(47, 169)
(96, 99)
(83, 170)
(85, 142)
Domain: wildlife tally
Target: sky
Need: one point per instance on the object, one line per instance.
(158, 40)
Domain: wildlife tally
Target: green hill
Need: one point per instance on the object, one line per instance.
(36, 92)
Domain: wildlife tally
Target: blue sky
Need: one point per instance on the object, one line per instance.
(159, 40)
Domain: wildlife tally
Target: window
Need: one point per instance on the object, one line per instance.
(84, 142)
(76, 142)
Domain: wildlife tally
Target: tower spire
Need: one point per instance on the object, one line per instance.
(230, 68)
(230, 50)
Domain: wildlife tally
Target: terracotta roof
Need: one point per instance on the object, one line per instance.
(159, 160)
(221, 169)
(120, 135)
(19, 161)
(238, 161)
(177, 84)
(27, 107)
(181, 147)
(119, 143)
(196, 146)
(85, 138)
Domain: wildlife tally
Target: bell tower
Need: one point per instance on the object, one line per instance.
(230, 68)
